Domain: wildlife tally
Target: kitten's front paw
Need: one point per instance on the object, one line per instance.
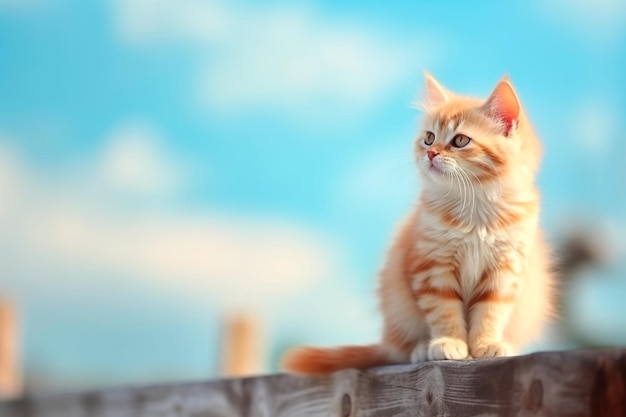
(490, 349)
(447, 348)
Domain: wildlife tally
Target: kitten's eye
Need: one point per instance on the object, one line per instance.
(460, 141)
(430, 138)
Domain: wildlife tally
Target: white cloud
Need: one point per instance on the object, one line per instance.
(145, 22)
(228, 260)
(232, 261)
(287, 58)
(134, 160)
(601, 20)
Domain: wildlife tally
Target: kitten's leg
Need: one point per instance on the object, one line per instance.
(441, 304)
(489, 311)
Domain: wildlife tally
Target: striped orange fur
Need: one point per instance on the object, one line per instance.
(468, 273)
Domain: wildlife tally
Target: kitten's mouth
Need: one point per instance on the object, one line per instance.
(433, 168)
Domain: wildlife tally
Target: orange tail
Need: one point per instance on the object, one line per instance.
(311, 360)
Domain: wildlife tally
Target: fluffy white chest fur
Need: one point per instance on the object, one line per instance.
(474, 245)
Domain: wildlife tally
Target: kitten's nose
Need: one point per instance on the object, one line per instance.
(432, 154)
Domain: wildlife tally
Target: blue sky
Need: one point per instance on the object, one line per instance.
(164, 163)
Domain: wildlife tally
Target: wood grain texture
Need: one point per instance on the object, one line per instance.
(572, 384)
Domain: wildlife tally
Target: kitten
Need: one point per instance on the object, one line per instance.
(468, 275)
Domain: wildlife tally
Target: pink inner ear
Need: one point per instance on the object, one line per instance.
(504, 105)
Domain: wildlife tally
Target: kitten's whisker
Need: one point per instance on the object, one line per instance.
(460, 188)
(475, 176)
(480, 183)
(471, 186)
(466, 187)
(449, 175)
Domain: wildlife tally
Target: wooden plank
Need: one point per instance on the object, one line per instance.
(572, 384)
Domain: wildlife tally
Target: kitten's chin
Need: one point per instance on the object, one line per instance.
(434, 170)
(435, 174)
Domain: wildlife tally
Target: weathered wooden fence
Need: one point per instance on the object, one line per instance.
(576, 383)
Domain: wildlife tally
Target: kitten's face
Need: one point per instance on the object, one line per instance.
(467, 141)
(461, 144)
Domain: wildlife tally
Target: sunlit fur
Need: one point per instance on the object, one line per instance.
(468, 273)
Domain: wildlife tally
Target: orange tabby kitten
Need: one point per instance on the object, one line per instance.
(468, 274)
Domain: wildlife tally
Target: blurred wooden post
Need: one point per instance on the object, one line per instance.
(10, 378)
(242, 346)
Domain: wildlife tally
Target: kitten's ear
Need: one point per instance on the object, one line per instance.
(504, 105)
(436, 94)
